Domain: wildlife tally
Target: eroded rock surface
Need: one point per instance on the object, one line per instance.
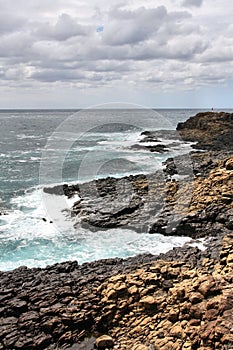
(193, 205)
(179, 300)
(171, 305)
(192, 196)
(212, 131)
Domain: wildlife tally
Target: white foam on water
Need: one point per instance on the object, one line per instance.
(72, 200)
(24, 136)
(28, 240)
(122, 141)
(26, 220)
(86, 246)
(199, 243)
(27, 237)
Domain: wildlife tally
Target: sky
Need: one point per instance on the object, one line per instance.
(79, 53)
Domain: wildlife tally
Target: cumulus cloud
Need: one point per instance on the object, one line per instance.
(53, 75)
(196, 3)
(65, 28)
(45, 42)
(10, 22)
(130, 27)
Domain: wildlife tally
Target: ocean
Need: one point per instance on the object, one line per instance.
(47, 147)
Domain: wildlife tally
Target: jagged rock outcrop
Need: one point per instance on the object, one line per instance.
(210, 208)
(211, 130)
(194, 206)
(160, 203)
(181, 300)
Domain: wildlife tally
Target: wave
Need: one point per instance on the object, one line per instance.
(39, 229)
(28, 237)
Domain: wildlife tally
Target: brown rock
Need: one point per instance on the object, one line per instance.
(173, 315)
(194, 322)
(148, 302)
(229, 164)
(133, 290)
(103, 342)
(205, 287)
(111, 294)
(195, 298)
(196, 311)
(140, 347)
(42, 341)
(211, 314)
(177, 331)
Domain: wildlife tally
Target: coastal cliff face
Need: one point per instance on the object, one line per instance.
(178, 300)
(210, 206)
(212, 131)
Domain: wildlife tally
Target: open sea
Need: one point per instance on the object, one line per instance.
(45, 147)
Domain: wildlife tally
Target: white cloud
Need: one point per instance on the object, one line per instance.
(65, 28)
(192, 3)
(164, 45)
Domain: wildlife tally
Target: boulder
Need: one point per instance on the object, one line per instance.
(103, 342)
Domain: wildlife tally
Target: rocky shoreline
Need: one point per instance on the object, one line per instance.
(179, 300)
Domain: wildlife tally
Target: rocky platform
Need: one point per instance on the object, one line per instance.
(191, 205)
(191, 196)
(179, 300)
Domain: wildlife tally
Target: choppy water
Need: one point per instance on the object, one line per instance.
(47, 147)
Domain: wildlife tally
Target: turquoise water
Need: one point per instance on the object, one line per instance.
(46, 147)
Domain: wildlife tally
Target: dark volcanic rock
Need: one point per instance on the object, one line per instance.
(178, 300)
(69, 306)
(60, 190)
(212, 131)
(159, 204)
(166, 202)
(160, 148)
